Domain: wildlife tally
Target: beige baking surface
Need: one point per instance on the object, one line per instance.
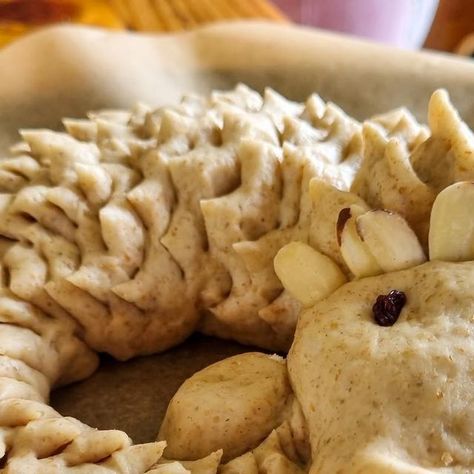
(65, 71)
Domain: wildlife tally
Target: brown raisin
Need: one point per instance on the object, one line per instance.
(387, 308)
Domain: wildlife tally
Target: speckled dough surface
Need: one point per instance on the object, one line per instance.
(396, 399)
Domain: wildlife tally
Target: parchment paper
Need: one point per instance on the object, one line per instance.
(66, 71)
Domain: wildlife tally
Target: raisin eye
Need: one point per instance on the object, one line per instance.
(387, 308)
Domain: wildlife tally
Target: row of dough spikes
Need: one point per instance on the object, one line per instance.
(297, 214)
(30, 257)
(372, 242)
(121, 128)
(407, 179)
(64, 218)
(390, 156)
(35, 438)
(397, 118)
(400, 120)
(236, 316)
(197, 117)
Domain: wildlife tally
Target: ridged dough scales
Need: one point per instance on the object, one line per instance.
(111, 241)
(145, 226)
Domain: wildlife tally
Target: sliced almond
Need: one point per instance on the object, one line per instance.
(306, 273)
(451, 235)
(390, 240)
(355, 252)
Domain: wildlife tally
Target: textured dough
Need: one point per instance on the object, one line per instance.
(405, 166)
(377, 399)
(390, 396)
(144, 226)
(243, 397)
(135, 228)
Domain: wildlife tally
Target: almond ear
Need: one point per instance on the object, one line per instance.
(306, 273)
(390, 240)
(451, 235)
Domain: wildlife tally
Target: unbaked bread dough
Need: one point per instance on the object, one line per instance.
(131, 221)
(134, 229)
(393, 399)
(213, 398)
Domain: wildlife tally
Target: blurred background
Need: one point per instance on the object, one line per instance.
(446, 25)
